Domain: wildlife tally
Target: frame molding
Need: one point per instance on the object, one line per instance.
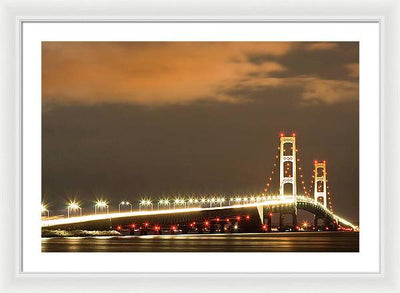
(12, 15)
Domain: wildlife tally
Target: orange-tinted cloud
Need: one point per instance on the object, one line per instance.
(159, 73)
(321, 46)
(352, 69)
(150, 73)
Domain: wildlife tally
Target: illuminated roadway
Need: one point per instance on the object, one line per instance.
(282, 204)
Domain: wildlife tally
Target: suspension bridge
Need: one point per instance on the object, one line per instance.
(250, 213)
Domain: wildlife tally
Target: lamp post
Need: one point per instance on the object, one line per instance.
(45, 210)
(124, 203)
(100, 204)
(212, 200)
(179, 202)
(176, 202)
(73, 206)
(163, 202)
(183, 202)
(146, 203)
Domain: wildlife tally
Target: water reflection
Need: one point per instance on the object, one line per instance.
(272, 242)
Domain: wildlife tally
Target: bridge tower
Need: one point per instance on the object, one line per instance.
(320, 177)
(287, 156)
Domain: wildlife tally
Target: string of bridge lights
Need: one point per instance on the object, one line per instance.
(101, 205)
(269, 179)
(300, 169)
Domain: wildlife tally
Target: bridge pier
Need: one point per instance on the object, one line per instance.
(281, 221)
(294, 220)
(315, 222)
(269, 222)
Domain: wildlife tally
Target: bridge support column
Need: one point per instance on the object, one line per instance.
(294, 220)
(260, 210)
(269, 222)
(315, 222)
(281, 219)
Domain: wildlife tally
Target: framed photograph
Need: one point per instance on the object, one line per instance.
(230, 150)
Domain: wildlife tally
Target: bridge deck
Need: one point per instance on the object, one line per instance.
(300, 202)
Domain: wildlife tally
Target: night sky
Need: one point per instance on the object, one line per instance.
(127, 120)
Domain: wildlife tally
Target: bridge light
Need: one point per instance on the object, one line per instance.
(227, 220)
(264, 227)
(173, 228)
(44, 208)
(118, 228)
(217, 219)
(238, 218)
(281, 134)
(270, 214)
(133, 226)
(247, 217)
(101, 204)
(245, 199)
(146, 224)
(206, 223)
(294, 134)
(73, 205)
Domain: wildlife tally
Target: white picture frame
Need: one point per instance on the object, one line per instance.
(12, 279)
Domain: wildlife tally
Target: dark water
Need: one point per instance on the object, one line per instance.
(266, 242)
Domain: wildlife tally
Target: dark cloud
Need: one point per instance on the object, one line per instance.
(327, 63)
